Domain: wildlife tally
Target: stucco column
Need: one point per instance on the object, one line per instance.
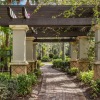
(34, 53)
(63, 51)
(97, 52)
(18, 62)
(73, 54)
(29, 54)
(83, 53)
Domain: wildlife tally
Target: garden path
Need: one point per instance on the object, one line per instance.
(57, 85)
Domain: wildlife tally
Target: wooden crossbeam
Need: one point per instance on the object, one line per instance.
(74, 32)
(48, 22)
(54, 40)
(11, 13)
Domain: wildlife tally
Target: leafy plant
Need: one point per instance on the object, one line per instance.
(51, 55)
(8, 87)
(86, 77)
(73, 71)
(24, 84)
(57, 63)
(33, 78)
(95, 85)
(55, 57)
(37, 72)
(45, 59)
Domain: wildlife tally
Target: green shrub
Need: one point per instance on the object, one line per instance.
(33, 78)
(8, 87)
(24, 85)
(57, 63)
(67, 58)
(65, 66)
(86, 77)
(38, 64)
(45, 59)
(55, 57)
(95, 85)
(37, 72)
(12, 89)
(73, 71)
(51, 55)
(3, 91)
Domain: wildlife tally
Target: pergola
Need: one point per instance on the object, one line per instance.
(47, 21)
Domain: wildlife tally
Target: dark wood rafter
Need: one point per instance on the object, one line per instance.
(48, 22)
(45, 15)
(11, 13)
(58, 32)
(54, 40)
(49, 16)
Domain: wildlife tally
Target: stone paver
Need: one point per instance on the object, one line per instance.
(57, 86)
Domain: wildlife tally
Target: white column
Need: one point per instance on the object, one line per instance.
(34, 51)
(29, 49)
(97, 45)
(19, 43)
(97, 54)
(73, 51)
(83, 47)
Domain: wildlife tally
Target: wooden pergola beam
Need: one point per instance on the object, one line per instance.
(54, 40)
(48, 22)
(64, 32)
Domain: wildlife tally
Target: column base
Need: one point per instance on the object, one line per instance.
(31, 66)
(97, 70)
(74, 63)
(19, 68)
(83, 65)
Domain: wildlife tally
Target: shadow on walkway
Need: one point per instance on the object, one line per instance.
(58, 86)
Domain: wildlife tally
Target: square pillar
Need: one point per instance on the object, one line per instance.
(73, 54)
(83, 53)
(97, 54)
(34, 53)
(18, 62)
(29, 54)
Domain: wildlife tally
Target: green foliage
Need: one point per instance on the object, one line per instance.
(62, 65)
(57, 63)
(55, 57)
(24, 84)
(95, 85)
(86, 77)
(45, 59)
(37, 72)
(51, 55)
(67, 58)
(33, 78)
(38, 64)
(8, 87)
(12, 89)
(73, 71)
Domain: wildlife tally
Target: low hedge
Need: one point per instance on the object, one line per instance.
(11, 87)
(73, 71)
(45, 59)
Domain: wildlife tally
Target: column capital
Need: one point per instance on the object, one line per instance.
(35, 43)
(95, 27)
(82, 37)
(19, 27)
(30, 38)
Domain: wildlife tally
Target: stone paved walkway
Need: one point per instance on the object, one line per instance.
(57, 86)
